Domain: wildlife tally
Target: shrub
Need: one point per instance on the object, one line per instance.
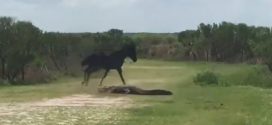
(206, 78)
(269, 65)
(4, 82)
(260, 77)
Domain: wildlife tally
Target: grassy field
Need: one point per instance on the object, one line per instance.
(190, 104)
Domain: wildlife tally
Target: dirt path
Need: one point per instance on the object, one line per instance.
(69, 101)
(85, 100)
(70, 109)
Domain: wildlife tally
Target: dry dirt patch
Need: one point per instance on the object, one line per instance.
(69, 101)
(85, 100)
(72, 110)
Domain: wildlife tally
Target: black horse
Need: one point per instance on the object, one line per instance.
(113, 61)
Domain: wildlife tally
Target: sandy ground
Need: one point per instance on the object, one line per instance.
(69, 101)
(70, 110)
(85, 100)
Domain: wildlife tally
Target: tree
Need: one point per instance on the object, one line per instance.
(223, 45)
(23, 48)
(55, 48)
(242, 40)
(206, 39)
(109, 41)
(189, 39)
(6, 24)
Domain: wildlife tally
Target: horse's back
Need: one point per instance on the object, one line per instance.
(94, 60)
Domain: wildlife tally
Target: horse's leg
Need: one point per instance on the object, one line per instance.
(121, 75)
(88, 74)
(105, 75)
(87, 78)
(85, 75)
(84, 79)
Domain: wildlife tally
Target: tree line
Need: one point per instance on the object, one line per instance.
(228, 42)
(24, 48)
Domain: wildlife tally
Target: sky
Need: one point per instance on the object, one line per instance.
(135, 15)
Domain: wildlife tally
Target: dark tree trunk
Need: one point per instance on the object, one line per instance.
(52, 57)
(242, 55)
(3, 62)
(66, 58)
(23, 73)
(65, 66)
(207, 55)
(55, 62)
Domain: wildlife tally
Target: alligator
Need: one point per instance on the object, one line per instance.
(132, 90)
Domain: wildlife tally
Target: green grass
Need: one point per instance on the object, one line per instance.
(190, 104)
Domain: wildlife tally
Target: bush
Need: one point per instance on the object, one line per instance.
(269, 65)
(4, 82)
(206, 78)
(259, 77)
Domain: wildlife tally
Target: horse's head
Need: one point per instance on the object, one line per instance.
(131, 51)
